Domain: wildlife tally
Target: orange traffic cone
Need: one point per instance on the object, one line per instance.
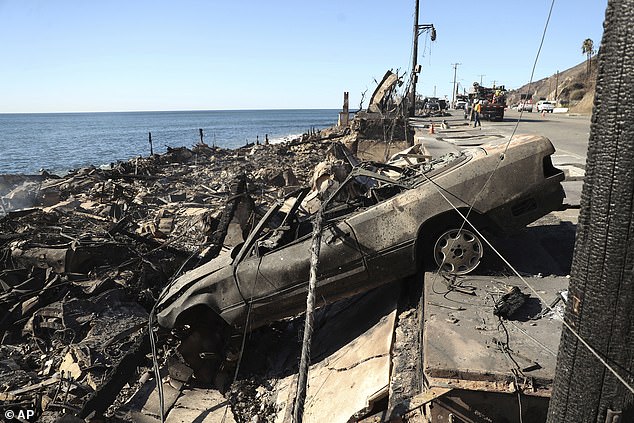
(431, 128)
(543, 113)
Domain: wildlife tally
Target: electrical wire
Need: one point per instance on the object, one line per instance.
(515, 369)
(466, 220)
(156, 368)
(508, 143)
(566, 324)
(544, 347)
(153, 347)
(243, 343)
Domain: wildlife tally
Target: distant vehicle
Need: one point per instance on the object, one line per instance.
(525, 105)
(383, 223)
(545, 106)
(431, 106)
(461, 101)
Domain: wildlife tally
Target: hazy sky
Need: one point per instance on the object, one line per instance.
(106, 55)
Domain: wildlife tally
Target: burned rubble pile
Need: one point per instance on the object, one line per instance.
(83, 258)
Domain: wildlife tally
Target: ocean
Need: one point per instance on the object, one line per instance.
(58, 142)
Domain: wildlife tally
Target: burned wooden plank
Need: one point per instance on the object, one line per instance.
(100, 400)
(406, 373)
(237, 191)
(12, 395)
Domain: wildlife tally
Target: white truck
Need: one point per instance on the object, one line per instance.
(525, 106)
(545, 106)
(526, 103)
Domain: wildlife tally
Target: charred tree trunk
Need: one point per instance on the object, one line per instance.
(602, 281)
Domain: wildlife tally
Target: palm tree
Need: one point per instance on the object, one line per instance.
(587, 48)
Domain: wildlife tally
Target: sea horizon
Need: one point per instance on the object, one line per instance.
(168, 111)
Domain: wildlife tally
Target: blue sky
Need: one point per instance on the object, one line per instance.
(66, 55)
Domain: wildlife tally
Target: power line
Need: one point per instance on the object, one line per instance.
(466, 221)
(566, 324)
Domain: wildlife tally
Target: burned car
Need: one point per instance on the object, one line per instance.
(380, 224)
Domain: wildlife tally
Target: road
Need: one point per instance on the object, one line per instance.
(569, 135)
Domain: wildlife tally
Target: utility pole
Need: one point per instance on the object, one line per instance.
(412, 94)
(453, 92)
(481, 76)
(601, 291)
(550, 86)
(556, 88)
(418, 29)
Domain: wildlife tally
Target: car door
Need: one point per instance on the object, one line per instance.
(275, 282)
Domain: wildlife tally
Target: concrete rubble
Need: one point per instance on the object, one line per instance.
(84, 256)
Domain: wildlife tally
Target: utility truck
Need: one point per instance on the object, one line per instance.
(492, 101)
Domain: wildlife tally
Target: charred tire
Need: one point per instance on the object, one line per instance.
(458, 251)
(203, 341)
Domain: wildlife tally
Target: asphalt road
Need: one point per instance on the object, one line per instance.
(568, 133)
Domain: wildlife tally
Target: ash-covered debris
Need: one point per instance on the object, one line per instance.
(509, 303)
(252, 401)
(84, 256)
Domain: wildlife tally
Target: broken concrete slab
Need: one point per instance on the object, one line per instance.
(462, 336)
(354, 375)
(146, 401)
(201, 405)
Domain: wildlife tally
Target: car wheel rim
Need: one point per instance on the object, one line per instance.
(458, 251)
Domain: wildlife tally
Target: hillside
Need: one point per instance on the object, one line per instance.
(574, 88)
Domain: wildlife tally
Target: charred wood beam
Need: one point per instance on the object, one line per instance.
(601, 292)
(23, 306)
(238, 189)
(155, 244)
(100, 400)
(304, 363)
(407, 348)
(119, 227)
